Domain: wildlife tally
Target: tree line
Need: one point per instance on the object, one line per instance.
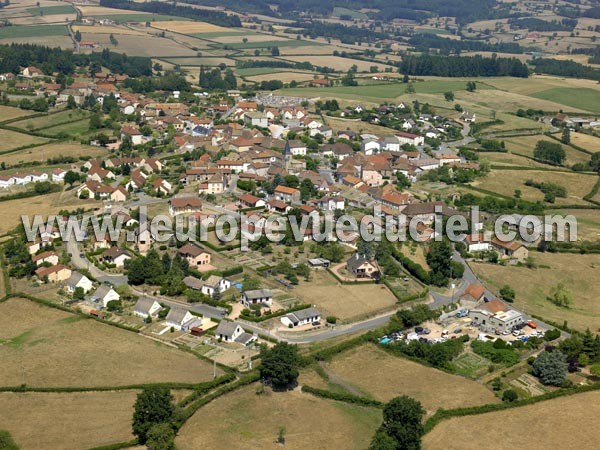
(173, 9)
(425, 41)
(463, 66)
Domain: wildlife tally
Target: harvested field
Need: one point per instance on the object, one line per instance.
(208, 61)
(43, 152)
(554, 423)
(50, 120)
(285, 77)
(586, 141)
(69, 421)
(142, 45)
(106, 30)
(390, 376)
(242, 420)
(39, 344)
(335, 62)
(581, 274)
(189, 27)
(11, 139)
(309, 50)
(343, 300)
(9, 112)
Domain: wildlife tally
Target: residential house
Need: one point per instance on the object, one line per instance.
(215, 284)
(262, 297)
(137, 138)
(146, 307)
(256, 119)
(79, 280)
(410, 138)
(511, 250)
(58, 175)
(287, 194)
(55, 274)
(362, 267)
(184, 205)
(50, 257)
(302, 317)
(295, 148)
(194, 255)
(116, 255)
(252, 201)
(180, 319)
(228, 331)
(103, 295)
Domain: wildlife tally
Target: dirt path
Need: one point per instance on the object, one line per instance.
(333, 378)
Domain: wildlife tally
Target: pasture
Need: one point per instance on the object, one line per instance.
(580, 98)
(334, 62)
(39, 344)
(581, 274)
(189, 27)
(69, 421)
(389, 376)
(525, 145)
(11, 139)
(242, 420)
(142, 45)
(505, 182)
(50, 120)
(9, 112)
(345, 301)
(590, 143)
(566, 422)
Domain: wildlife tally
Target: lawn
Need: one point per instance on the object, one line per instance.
(53, 150)
(11, 139)
(67, 421)
(344, 301)
(40, 344)
(566, 422)
(505, 182)
(243, 420)
(390, 376)
(581, 98)
(581, 274)
(24, 31)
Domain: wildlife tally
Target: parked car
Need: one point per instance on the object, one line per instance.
(418, 330)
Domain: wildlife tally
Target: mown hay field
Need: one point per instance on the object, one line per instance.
(67, 421)
(53, 150)
(566, 422)
(379, 375)
(47, 347)
(242, 420)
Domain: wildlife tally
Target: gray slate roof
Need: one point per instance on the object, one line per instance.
(305, 313)
(258, 293)
(143, 305)
(226, 328)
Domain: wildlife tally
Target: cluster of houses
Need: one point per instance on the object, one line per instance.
(33, 176)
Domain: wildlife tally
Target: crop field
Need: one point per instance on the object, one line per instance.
(581, 274)
(52, 150)
(563, 419)
(389, 376)
(23, 31)
(39, 344)
(509, 159)
(83, 419)
(11, 139)
(309, 50)
(582, 98)
(242, 420)
(343, 300)
(505, 182)
(142, 45)
(525, 145)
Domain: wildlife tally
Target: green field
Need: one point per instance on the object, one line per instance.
(24, 31)
(195, 61)
(340, 11)
(140, 17)
(253, 71)
(50, 10)
(218, 34)
(584, 98)
(269, 44)
(51, 120)
(385, 90)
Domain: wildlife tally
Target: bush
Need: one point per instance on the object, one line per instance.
(510, 395)
(331, 319)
